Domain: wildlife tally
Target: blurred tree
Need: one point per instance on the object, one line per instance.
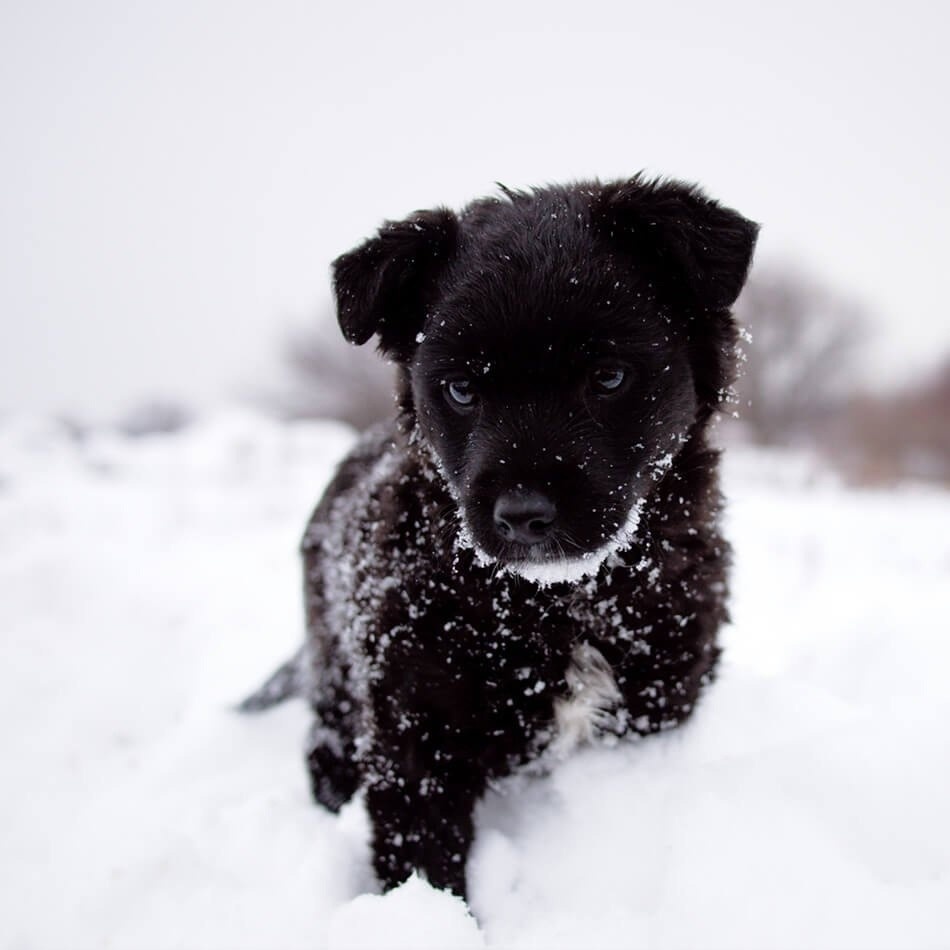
(154, 417)
(331, 379)
(800, 366)
(903, 434)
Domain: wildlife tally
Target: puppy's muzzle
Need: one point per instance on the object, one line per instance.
(524, 517)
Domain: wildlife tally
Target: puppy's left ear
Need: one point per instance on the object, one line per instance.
(383, 286)
(700, 249)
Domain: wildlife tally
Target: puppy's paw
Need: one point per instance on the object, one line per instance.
(333, 779)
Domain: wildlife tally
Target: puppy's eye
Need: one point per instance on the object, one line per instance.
(608, 379)
(460, 393)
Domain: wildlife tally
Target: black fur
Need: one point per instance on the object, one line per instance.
(432, 664)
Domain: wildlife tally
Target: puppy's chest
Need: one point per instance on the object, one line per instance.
(534, 652)
(539, 662)
(585, 635)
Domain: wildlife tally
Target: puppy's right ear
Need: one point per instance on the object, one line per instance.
(700, 249)
(384, 285)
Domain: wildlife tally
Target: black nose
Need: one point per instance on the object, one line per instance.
(525, 516)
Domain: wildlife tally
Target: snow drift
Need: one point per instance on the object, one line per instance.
(146, 584)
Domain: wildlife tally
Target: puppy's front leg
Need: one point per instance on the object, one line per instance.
(420, 825)
(425, 777)
(661, 688)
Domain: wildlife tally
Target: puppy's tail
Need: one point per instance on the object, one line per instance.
(284, 683)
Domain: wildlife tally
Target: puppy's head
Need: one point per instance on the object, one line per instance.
(558, 347)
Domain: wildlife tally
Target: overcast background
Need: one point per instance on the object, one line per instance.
(176, 177)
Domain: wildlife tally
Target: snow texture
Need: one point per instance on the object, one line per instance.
(414, 916)
(146, 585)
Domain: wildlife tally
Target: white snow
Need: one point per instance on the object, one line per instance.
(147, 585)
(414, 916)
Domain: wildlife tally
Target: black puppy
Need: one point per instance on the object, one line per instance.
(530, 555)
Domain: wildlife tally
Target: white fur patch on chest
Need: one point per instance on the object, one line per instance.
(593, 707)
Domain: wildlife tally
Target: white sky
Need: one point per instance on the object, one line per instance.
(176, 177)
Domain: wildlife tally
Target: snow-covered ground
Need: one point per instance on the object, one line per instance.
(146, 585)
